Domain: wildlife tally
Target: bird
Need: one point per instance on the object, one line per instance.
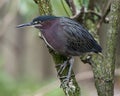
(65, 36)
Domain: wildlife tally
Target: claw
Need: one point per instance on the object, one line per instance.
(65, 82)
(62, 67)
(63, 77)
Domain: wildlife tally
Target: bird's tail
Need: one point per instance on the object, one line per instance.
(97, 48)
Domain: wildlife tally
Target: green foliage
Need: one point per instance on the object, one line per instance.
(85, 2)
(55, 92)
(60, 8)
(27, 87)
(7, 85)
(78, 4)
(11, 87)
(28, 8)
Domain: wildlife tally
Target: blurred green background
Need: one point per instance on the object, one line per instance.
(26, 67)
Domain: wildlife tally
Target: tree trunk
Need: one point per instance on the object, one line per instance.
(103, 67)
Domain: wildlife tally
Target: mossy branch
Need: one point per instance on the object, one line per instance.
(104, 67)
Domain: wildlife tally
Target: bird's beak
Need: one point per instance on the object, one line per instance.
(24, 25)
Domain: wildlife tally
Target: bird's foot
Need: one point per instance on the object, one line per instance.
(62, 67)
(66, 80)
(64, 77)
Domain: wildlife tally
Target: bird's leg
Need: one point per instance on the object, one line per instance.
(71, 61)
(62, 67)
(67, 78)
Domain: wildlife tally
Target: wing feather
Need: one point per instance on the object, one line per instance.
(78, 38)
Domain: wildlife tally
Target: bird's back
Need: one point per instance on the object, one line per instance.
(79, 40)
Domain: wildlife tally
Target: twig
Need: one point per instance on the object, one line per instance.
(103, 17)
(87, 12)
(72, 6)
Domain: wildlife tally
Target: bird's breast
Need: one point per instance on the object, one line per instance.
(54, 40)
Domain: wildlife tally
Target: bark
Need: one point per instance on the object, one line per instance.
(118, 51)
(103, 67)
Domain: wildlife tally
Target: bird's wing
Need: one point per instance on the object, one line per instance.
(78, 38)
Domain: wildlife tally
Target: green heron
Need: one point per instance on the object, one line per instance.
(65, 36)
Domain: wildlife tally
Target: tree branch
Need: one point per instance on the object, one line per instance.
(87, 12)
(105, 13)
(102, 18)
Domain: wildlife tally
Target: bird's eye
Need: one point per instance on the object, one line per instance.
(36, 22)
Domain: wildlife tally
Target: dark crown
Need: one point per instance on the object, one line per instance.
(44, 18)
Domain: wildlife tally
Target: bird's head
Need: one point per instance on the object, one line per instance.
(38, 21)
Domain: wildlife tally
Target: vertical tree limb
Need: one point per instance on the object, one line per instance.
(103, 67)
(44, 7)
